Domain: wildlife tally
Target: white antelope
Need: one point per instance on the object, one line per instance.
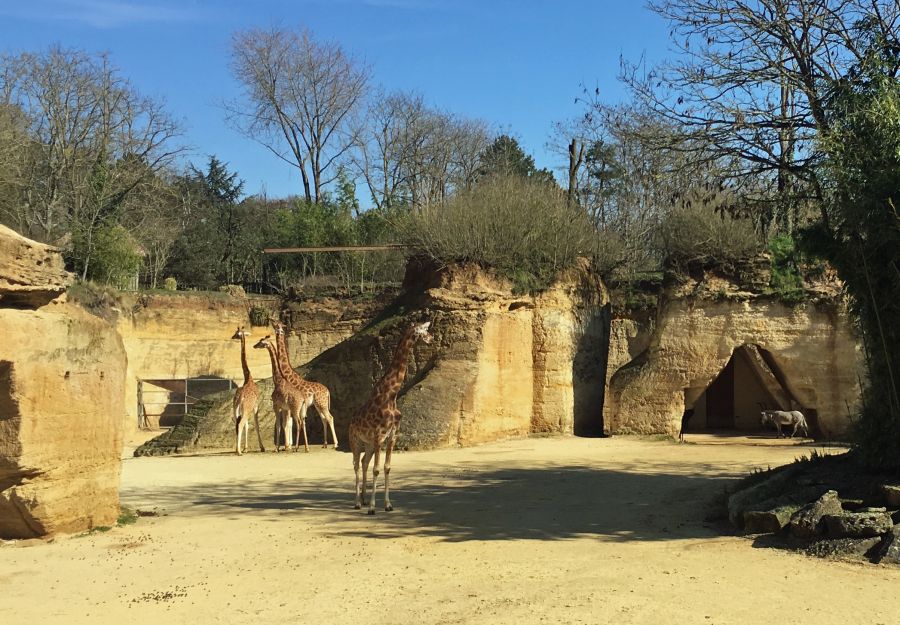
(785, 417)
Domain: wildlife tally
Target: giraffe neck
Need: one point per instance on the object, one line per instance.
(276, 372)
(284, 358)
(247, 376)
(392, 380)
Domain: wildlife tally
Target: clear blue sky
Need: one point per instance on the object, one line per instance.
(517, 64)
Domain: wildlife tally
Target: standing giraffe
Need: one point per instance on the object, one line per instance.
(377, 422)
(316, 394)
(287, 401)
(246, 399)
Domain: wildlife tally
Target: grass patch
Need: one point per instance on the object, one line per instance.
(127, 516)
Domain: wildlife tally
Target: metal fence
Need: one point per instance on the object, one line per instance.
(165, 402)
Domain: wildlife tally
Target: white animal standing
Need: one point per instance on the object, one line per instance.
(779, 418)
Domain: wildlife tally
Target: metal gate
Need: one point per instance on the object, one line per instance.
(165, 402)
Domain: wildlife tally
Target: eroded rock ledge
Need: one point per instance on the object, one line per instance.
(501, 365)
(61, 400)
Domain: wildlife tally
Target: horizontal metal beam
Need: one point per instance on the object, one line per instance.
(335, 248)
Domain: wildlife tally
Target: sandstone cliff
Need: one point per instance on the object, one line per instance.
(500, 366)
(61, 401)
(801, 356)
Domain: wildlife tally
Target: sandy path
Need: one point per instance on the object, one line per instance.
(542, 530)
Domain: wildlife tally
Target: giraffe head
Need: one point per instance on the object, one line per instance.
(420, 331)
(277, 326)
(264, 342)
(240, 333)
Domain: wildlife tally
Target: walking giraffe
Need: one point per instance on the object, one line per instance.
(377, 422)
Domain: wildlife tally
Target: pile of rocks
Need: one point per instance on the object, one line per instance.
(807, 512)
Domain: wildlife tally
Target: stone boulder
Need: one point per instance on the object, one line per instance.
(863, 524)
(807, 522)
(768, 521)
(850, 548)
(771, 501)
(891, 494)
(889, 550)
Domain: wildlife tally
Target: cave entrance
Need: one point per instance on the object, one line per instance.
(163, 403)
(751, 381)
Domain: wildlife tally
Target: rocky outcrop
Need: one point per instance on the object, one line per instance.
(173, 336)
(31, 273)
(663, 360)
(61, 406)
(840, 523)
(501, 365)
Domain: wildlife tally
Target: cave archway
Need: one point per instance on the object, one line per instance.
(749, 382)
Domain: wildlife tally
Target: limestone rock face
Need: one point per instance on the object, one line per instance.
(188, 335)
(660, 364)
(501, 365)
(31, 273)
(61, 405)
(62, 374)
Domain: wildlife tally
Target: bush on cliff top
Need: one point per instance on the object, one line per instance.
(523, 228)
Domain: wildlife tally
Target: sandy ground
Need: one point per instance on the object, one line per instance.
(534, 531)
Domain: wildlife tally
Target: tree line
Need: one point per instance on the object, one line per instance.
(775, 125)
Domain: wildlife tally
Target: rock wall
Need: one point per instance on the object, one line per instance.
(501, 365)
(661, 363)
(61, 405)
(188, 335)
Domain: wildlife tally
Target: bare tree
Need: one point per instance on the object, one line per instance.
(299, 96)
(749, 84)
(411, 154)
(625, 182)
(394, 127)
(92, 139)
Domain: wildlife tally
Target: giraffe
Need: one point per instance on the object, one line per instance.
(316, 394)
(286, 400)
(246, 399)
(376, 424)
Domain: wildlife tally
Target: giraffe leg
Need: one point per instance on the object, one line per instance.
(367, 456)
(303, 425)
(320, 410)
(237, 433)
(375, 471)
(358, 503)
(258, 435)
(330, 420)
(387, 474)
(288, 428)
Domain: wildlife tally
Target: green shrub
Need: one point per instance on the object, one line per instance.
(521, 227)
(786, 280)
(116, 257)
(259, 316)
(170, 284)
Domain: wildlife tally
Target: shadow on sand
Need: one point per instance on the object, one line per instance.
(547, 503)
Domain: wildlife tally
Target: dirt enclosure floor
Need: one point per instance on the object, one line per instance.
(553, 531)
